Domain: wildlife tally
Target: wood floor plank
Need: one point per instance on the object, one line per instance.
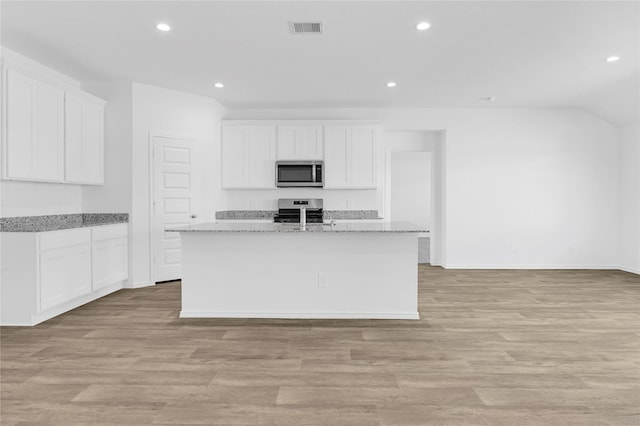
(491, 348)
(381, 396)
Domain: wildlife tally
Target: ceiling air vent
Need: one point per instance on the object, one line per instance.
(305, 27)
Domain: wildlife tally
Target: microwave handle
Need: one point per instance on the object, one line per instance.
(313, 173)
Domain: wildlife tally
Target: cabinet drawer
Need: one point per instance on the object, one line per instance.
(109, 232)
(64, 238)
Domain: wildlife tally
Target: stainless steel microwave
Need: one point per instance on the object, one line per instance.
(308, 174)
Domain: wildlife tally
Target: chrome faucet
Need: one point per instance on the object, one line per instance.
(303, 217)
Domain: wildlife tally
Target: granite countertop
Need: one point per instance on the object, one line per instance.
(60, 221)
(268, 214)
(382, 227)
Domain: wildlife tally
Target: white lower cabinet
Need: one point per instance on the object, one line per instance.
(45, 274)
(65, 273)
(100, 262)
(109, 255)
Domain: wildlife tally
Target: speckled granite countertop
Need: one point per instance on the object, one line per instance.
(382, 227)
(268, 214)
(60, 221)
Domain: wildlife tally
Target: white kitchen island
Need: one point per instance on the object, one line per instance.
(269, 270)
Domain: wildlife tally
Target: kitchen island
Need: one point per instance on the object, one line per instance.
(270, 270)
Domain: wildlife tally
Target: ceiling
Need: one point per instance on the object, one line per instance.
(526, 54)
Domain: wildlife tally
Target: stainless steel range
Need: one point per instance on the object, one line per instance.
(289, 210)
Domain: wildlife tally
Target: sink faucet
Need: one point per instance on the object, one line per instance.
(303, 217)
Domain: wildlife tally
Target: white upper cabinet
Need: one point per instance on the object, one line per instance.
(350, 156)
(34, 118)
(234, 147)
(300, 143)
(262, 155)
(363, 158)
(54, 131)
(84, 139)
(248, 157)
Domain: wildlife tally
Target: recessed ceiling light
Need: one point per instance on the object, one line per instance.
(423, 26)
(219, 85)
(391, 84)
(488, 99)
(613, 58)
(163, 27)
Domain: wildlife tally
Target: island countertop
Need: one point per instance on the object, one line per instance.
(274, 270)
(382, 227)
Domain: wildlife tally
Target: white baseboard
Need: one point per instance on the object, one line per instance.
(72, 304)
(137, 285)
(558, 267)
(304, 315)
(630, 270)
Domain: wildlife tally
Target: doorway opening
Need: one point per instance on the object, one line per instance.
(415, 186)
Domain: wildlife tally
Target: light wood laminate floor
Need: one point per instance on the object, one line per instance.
(492, 348)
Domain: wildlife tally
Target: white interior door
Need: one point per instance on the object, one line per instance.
(175, 203)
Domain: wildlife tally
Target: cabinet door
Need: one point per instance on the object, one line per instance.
(92, 143)
(84, 141)
(53, 283)
(118, 260)
(234, 157)
(109, 262)
(22, 96)
(73, 139)
(261, 156)
(300, 143)
(337, 145)
(363, 157)
(79, 270)
(50, 133)
(248, 157)
(350, 157)
(65, 273)
(100, 264)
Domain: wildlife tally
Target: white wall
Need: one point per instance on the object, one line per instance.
(629, 230)
(167, 112)
(115, 195)
(525, 188)
(39, 198)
